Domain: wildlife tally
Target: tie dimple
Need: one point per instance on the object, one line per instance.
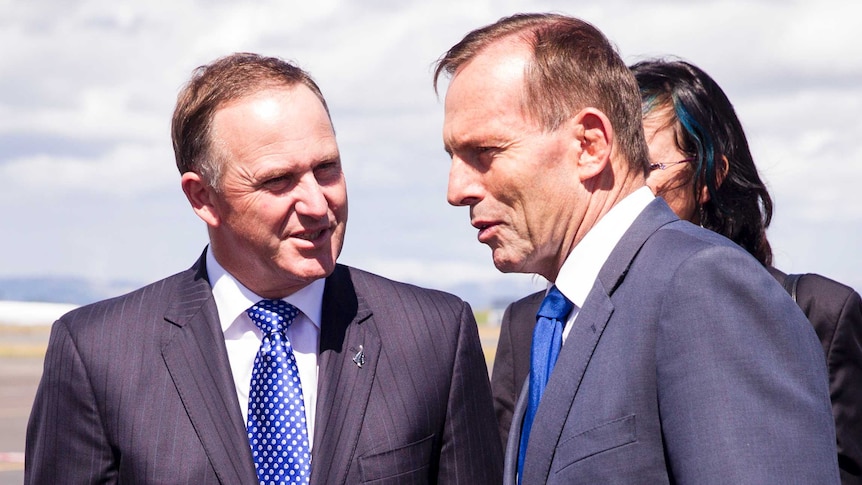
(277, 430)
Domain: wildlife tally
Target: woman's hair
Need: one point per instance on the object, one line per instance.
(707, 128)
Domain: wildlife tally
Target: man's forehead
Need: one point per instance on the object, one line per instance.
(295, 104)
(490, 85)
(261, 99)
(505, 58)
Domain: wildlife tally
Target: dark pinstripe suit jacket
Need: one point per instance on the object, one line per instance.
(138, 389)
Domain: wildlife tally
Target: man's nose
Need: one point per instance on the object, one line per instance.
(464, 187)
(310, 199)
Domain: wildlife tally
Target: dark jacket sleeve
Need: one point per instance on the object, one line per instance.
(469, 454)
(503, 385)
(835, 311)
(66, 442)
(512, 361)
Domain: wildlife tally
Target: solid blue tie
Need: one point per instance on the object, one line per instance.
(547, 341)
(277, 429)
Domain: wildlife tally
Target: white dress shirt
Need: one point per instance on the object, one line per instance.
(243, 338)
(582, 266)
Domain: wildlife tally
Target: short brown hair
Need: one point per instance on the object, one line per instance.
(574, 66)
(226, 79)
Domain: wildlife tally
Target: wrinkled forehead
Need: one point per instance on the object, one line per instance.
(491, 84)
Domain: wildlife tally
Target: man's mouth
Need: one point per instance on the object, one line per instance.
(480, 225)
(486, 230)
(310, 236)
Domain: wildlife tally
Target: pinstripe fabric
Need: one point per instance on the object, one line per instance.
(125, 398)
(418, 411)
(138, 389)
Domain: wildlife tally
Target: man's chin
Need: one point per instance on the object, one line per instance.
(505, 265)
(312, 269)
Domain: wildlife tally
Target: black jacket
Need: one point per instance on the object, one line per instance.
(835, 311)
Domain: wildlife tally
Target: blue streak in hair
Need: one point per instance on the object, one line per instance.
(704, 144)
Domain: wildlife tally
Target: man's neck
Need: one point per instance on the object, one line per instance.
(601, 201)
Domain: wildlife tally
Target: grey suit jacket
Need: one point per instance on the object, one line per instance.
(138, 389)
(687, 364)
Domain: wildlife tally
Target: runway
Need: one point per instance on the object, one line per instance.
(22, 349)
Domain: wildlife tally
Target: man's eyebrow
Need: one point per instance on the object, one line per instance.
(453, 145)
(274, 172)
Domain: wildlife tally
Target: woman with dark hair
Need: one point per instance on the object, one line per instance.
(701, 164)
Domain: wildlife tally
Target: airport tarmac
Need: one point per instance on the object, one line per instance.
(22, 350)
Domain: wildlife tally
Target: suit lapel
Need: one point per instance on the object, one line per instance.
(582, 340)
(195, 355)
(344, 385)
(564, 383)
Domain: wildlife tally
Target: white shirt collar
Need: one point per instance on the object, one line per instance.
(582, 266)
(233, 298)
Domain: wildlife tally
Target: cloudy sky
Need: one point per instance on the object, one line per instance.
(88, 185)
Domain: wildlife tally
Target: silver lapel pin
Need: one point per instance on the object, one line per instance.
(359, 358)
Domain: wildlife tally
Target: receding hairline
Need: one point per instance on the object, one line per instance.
(215, 141)
(263, 89)
(514, 47)
(523, 38)
(505, 49)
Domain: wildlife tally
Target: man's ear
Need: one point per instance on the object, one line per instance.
(200, 196)
(721, 169)
(594, 133)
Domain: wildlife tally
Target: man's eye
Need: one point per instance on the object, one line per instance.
(485, 154)
(326, 171)
(486, 151)
(276, 181)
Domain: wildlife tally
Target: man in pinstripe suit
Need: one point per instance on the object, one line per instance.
(152, 387)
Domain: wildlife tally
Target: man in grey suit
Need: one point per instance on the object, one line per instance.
(661, 353)
(386, 380)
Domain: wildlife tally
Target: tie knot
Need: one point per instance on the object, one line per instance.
(555, 305)
(272, 315)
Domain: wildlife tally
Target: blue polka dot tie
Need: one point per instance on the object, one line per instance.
(276, 413)
(547, 341)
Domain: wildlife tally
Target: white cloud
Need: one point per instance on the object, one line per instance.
(87, 90)
(126, 171)
(805, 145)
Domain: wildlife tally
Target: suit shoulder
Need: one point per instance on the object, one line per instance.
(682, 242)
(688, 234)
(821, 297)
(821, 287)
(829, 304)
(677, 263)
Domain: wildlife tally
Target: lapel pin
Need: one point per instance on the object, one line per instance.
(359, 358)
